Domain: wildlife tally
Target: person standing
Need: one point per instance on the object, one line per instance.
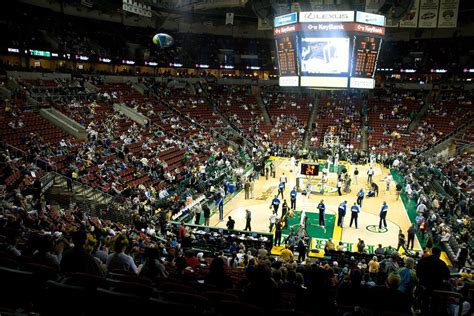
(247, 189)
(291, 240)
(182, 232)
(220, 206)
(252, 187)
(462, 255)
(411, 236)
(286, 254)
(272, 169)
(398, 188)
(401, 241)
(388, 181)
(293, 195)
(292, 163)
(354, 214)
(281, 188)
(347, 184)
(284, 209)
(339, 186)
(370, 174)
(267, 171)
(273, 219)
(230, 223)
(207, 214)
(162, 220)
(277, 241)
(383, 215)
(284, 180)
(248, 219)
(432, 271)
(301, 248)
(322, 210)
(408, 278)
(275, 204)
(356, 174)
(197, 214)
(341, 212)
(360, 197)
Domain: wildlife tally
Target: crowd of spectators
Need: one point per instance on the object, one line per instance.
(389, 114)
(67, 242)
(338, 115)
(289, 113)
(123, 158)
(441, 191)
(70, 239)
(451, 110)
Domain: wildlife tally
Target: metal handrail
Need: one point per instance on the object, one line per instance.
(112, 211)
(24, 154)
(448, 136)
(77, 183)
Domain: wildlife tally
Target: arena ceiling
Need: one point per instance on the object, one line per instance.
(247, 11)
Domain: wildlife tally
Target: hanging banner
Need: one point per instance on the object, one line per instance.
(428, 13)
(229, 18)
(372, 6)
(391, 22)
(264, 25)
(411, 18)
(448, 13)
(317, 5)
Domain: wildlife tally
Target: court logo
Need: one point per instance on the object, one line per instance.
(267, 194)
(375, 229)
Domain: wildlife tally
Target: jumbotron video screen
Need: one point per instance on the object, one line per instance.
(328, 49)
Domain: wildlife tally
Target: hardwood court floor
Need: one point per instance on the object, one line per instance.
(265, 190)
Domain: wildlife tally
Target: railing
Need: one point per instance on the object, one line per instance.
(43, 97)
(447, 137)
(220, 131)
(189, 119)
(311, 119)
(132, 114)
(263, 108)
(427, 101)
(99, 203)
(46, 165)
(237, 130)
(64, 123)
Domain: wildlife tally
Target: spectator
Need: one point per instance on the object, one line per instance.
(432, 271)
(118, 260)
(408, 278)
(217, 275)
(153, 266)
(76, 259)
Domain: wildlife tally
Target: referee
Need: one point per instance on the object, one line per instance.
(383, 215)
(354, 214)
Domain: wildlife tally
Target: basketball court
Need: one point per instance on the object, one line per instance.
(265, 190)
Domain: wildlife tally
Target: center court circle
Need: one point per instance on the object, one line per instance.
(375, 229)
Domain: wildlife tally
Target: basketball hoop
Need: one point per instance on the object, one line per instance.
(331, 141)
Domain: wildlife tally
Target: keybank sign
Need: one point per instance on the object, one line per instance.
(327, 16)
(285, 19)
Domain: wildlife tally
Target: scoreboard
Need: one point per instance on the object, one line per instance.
(309, 169)
(287, 56)
(328, 49)
(366, 51)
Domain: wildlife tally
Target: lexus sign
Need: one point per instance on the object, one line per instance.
(326, 16)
